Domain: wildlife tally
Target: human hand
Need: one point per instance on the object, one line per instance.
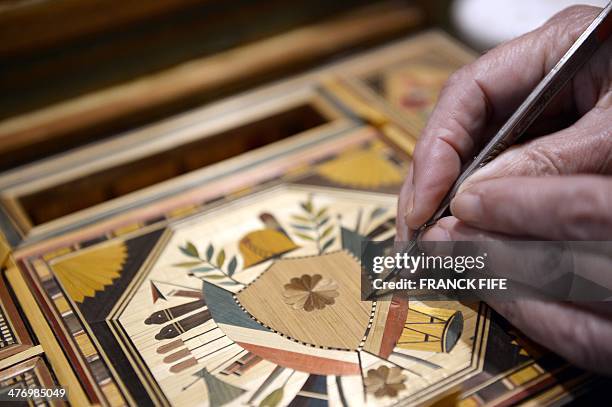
(557, 186)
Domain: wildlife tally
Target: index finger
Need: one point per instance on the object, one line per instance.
(476, 98)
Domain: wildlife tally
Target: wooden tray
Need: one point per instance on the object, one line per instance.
(91, 183)
(200, 289)
(178, 309)
(14, 337)
(108, 70)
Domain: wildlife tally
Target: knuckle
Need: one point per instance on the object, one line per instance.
(598, 155)
(542, 160)
(576, 219)
(571, 13)
(587, 210)
(605, 161)
(589, 349)
(457, 78)
(565, 26)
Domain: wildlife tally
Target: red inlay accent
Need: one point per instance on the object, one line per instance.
(394, 325)
(304, 363)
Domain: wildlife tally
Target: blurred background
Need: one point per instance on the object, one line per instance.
(75, 71)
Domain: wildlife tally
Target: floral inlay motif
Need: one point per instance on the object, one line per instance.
(385, 381)
(310, 292)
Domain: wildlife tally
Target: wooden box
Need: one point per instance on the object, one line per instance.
(213, 258)
(109, 69)
(14, 336)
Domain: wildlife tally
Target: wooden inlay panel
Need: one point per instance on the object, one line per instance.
(338, 325)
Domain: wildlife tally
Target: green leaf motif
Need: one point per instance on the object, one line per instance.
(378, 212)
(221, 258)
(327, 231)
(323, 222)
(202, 269)
(273, 399)
(231, 267)
(187, 264)
(301, 227)
(307, 206)
(214, 277)
(304, 237)
(209, 252)
(321, 212)
(327, 244)
(190, 250)
(300, 218)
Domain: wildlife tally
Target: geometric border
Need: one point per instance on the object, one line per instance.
(14, 336)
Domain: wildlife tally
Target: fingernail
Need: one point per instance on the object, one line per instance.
(410, 204)
(402, 232)
(467, 207)
(410, 200)
(409, 208)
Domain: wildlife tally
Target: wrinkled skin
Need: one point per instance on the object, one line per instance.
(555, 186)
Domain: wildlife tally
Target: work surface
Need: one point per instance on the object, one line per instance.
(237, 283)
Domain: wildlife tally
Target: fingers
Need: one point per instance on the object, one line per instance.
(580, 336)
(585, 147)
(452, 229)
(478, 96)
(404, 205)
(551, 208)
(532, 264)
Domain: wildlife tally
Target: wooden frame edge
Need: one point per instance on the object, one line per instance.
(14, 320)
(53, 351)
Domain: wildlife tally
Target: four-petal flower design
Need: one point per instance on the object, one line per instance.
(385, 381)
(310, 292)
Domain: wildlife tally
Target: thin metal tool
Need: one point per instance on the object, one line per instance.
(578, 54)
